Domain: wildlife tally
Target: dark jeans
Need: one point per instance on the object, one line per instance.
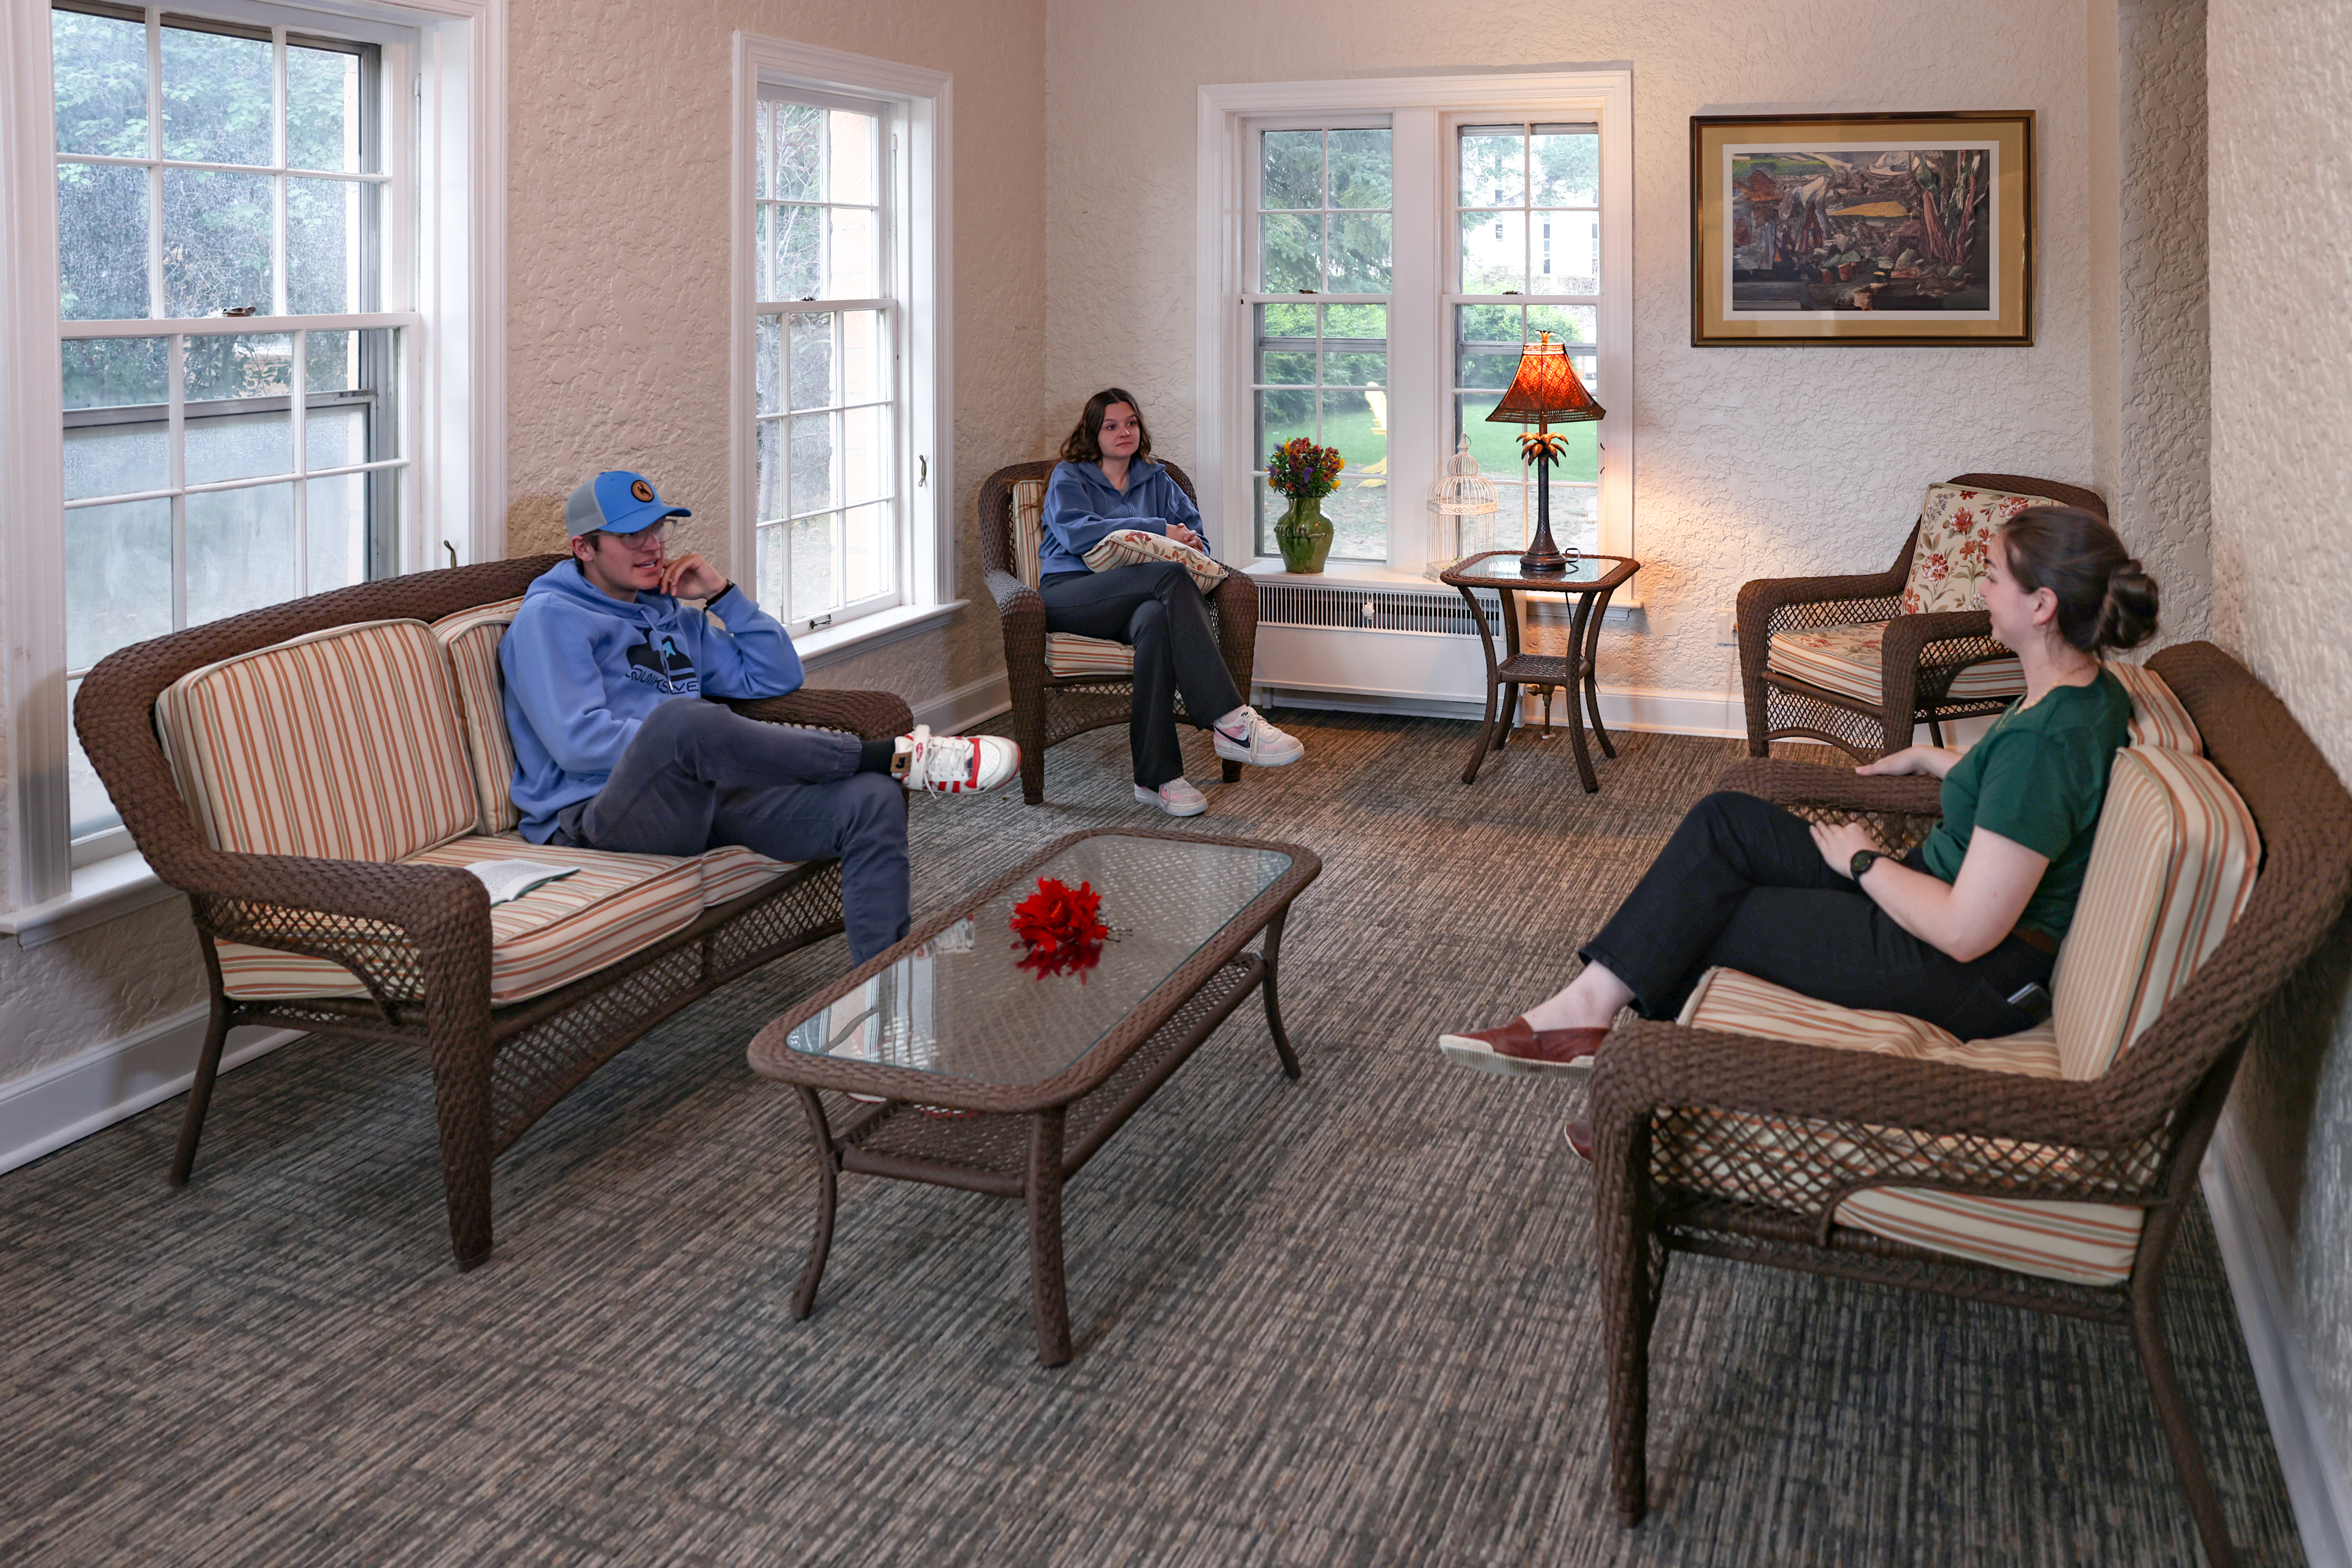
(698, 775)
(1159, 609)
(1741, 884)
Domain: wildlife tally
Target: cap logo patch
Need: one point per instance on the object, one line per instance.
(641, 489)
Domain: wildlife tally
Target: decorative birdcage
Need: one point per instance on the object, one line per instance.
(1461, 493)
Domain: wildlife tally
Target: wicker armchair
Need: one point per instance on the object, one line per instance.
(1922, 655)
(1743, 1147)
(419, 936)
(1049, 708)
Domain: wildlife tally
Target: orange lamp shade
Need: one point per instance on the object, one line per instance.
(1546, 390)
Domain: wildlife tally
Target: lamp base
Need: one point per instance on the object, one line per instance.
(1537, 563)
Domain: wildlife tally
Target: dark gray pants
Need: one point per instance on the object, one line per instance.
(1160, 610)
(698, 775)
(1741, 884)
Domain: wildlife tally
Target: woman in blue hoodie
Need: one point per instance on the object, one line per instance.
(1105, 482)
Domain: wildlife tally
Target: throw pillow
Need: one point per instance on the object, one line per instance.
(1956, 530)
(1134, 547)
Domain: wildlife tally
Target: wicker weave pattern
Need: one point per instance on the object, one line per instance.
(419, 936)
(1048, 708)
(1921, 654)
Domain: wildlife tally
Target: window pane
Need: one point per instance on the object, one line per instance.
(217, 98)
(849, 254)
(335, 437)
(239, 447)
(1292, 169)
(1567, 252)
(100, 83)
(116, 459)
(799, 250)
(323, 247)
(799, 141)
(812, 465)
(118, 578)
(322, 109)
(1367, 324)
(1358, 515)
(1494, 253)
(1353, 424)
(240, 551)
(1282, 417)
(1360, 260)
(1355, 370)
(258, 364)
(217, 242)
(767, 363)
(1568, 324)
(866, 455)
(768, 563)
(812, 361)
(812, 565)
(850, 159)
(865, 357)
(114, 372)
(866, 553)
(1494, 166)
(772, 478)
(333, 361)
(1496, 446)
(764, 141)
(1281, 368)
(1567, 160)
(1359, 169)
(338, 532)
(90, 811)
(1290, 254)
(101, 242)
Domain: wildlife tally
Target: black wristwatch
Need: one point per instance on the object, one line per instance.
(724, 589)
(1861, 862)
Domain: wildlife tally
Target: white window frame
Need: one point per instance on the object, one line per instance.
(921, 105)
(1422, 111)
(451, 56)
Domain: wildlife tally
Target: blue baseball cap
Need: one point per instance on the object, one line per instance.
(618, 501)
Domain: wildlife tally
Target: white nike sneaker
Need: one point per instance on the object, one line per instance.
(1261, 746)
(1177, 798)
(954, 764)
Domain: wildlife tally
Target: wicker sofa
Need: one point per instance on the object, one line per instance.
(2048, 1170)
(315, 776)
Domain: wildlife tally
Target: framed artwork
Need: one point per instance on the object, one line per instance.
(1862, 229)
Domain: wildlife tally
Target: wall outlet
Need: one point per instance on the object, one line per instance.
(1726, 636)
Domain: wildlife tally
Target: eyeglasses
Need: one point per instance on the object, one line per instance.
(656, 534)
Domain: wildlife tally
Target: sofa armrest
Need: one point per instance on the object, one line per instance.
(868, 715)
(407, 931)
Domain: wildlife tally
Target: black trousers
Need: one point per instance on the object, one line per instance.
(1742, 884)
(1160, 610)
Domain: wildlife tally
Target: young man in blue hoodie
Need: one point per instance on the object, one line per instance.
(614, 749)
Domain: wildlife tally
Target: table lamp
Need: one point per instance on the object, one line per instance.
(1546, 391)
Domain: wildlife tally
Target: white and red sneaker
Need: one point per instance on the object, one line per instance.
(954, 764)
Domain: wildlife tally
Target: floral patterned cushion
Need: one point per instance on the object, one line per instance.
(1956, 530)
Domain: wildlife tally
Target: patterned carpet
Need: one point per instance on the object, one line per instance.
(1350, 1321)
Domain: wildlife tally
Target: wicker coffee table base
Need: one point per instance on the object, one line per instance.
(1029, 1155)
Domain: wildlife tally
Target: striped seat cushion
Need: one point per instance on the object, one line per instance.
(1846, 660)
(1028, 528)
(1066, 653)
(730, 871)
(2157, 717)
(345, 744)
(556, 934)
(472, 639)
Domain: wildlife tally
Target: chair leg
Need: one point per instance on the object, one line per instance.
(2179, 1432)
(200, 1091)
(461, 1104)
(1232, 770)
(1628, 1308)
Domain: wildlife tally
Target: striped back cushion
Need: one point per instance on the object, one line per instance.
(2172, 866)
(472, 639)
(1136, 547)
(344, 744)
(2157, 717)
(1028, 528)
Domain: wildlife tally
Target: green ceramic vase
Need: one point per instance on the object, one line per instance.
(1303, 536)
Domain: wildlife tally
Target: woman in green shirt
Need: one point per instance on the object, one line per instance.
(1963, 931)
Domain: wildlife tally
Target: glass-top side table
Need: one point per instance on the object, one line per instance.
(1590, 580)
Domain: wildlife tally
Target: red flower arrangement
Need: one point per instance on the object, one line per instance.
(1059, 927)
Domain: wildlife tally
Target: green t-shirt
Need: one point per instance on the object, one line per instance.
(2038, 778)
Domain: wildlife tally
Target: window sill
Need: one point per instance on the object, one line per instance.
(837, 645)
(102, 890)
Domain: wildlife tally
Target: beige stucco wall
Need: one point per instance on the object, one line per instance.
(1752, 462)
(2281, 237)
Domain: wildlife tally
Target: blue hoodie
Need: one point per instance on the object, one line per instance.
(1081, 506)
(584, 670)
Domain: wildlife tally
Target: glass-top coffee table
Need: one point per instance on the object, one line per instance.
(992, 1068)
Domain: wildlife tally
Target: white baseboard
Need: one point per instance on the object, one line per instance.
(2253, 1238)
(1714, 713)
(954, 712)
(48, 1110)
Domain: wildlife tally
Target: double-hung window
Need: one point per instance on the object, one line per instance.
(841, 353)
(1372, 255)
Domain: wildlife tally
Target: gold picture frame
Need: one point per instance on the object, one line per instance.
(1862, 229)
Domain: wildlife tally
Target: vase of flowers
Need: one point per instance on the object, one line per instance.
(1306, 473)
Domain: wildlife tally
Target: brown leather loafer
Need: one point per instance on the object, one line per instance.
(1518, 1047)
(1579, 1138)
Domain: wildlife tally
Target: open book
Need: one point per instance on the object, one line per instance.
(510, 880)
